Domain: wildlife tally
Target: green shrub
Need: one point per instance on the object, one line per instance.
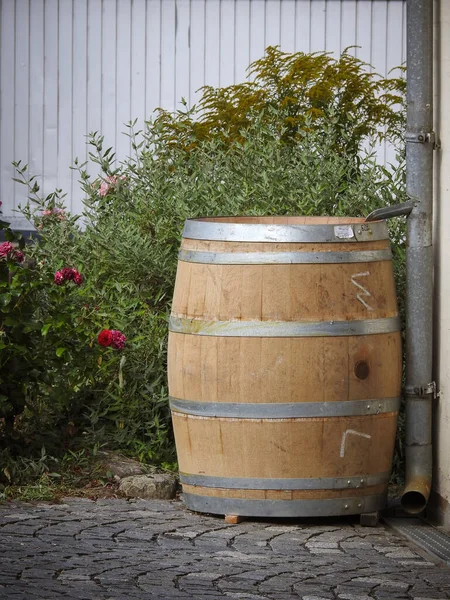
(304, 89)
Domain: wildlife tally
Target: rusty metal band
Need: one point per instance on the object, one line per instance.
(285, 508)
(304, 483)
(223, 230)
(292, 258)
(285, 410)
(284, 328)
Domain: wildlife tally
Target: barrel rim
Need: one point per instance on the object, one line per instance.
(218, 229)
(286, 483)
(285, 410)
(275, 258)
(235, 328)
(285, 508)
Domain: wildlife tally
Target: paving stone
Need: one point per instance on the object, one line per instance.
(353, 597)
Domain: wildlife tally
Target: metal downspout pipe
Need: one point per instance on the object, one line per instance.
(420, 387)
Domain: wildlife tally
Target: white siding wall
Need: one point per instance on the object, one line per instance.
(73, 66)
(441, 409)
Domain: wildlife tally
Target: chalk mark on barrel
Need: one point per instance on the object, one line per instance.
(353, 432)
(364, 291)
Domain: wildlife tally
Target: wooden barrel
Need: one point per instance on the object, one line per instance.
(284, 365)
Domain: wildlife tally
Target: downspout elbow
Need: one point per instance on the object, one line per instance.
(418, 452)
(418, 479)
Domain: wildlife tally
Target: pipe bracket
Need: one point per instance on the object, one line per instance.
(421, 137)
(422, 390)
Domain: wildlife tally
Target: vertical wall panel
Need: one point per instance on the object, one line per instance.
(288, 25)
(273, 23)
(318, 25)
(364, 31)
(395, 43)
(51, 91)
(168, 24)
(212, 42)
(79, 93)
(182, 51)
(94, 65)
(303, 24)
(123, 78)
(21, 86)
(153, 57)
(395, 39)
(7, 93)
(69, 67)
(348, 24)
(138, 59)
(108, 72)
(257, 29)
(65, 96)
(197, 49)
(333, 21)
(379, 40)
(227, 48)
(36, 95)
(379, 50)
(242, 40)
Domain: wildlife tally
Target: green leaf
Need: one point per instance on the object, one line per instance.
(5, 299)
(60, 351)
(45, 329)
(10, 321)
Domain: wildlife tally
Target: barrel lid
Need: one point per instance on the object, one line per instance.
(251, 229)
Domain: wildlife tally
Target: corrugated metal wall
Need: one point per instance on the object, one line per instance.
(73, 66)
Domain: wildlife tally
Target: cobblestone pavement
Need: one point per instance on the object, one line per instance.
(114, 549)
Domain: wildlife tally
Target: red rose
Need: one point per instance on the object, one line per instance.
(105, 337)
(118, 339)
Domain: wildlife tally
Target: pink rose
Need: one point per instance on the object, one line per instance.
(118, 339)
(5, 249)
(67, 273)
(104, 189)
(59, 278)
(77, 277)
(8, 251)
(109, 183)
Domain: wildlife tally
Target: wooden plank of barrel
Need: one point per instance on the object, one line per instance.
(284, 365)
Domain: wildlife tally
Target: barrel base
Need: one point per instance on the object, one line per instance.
(285, 508)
